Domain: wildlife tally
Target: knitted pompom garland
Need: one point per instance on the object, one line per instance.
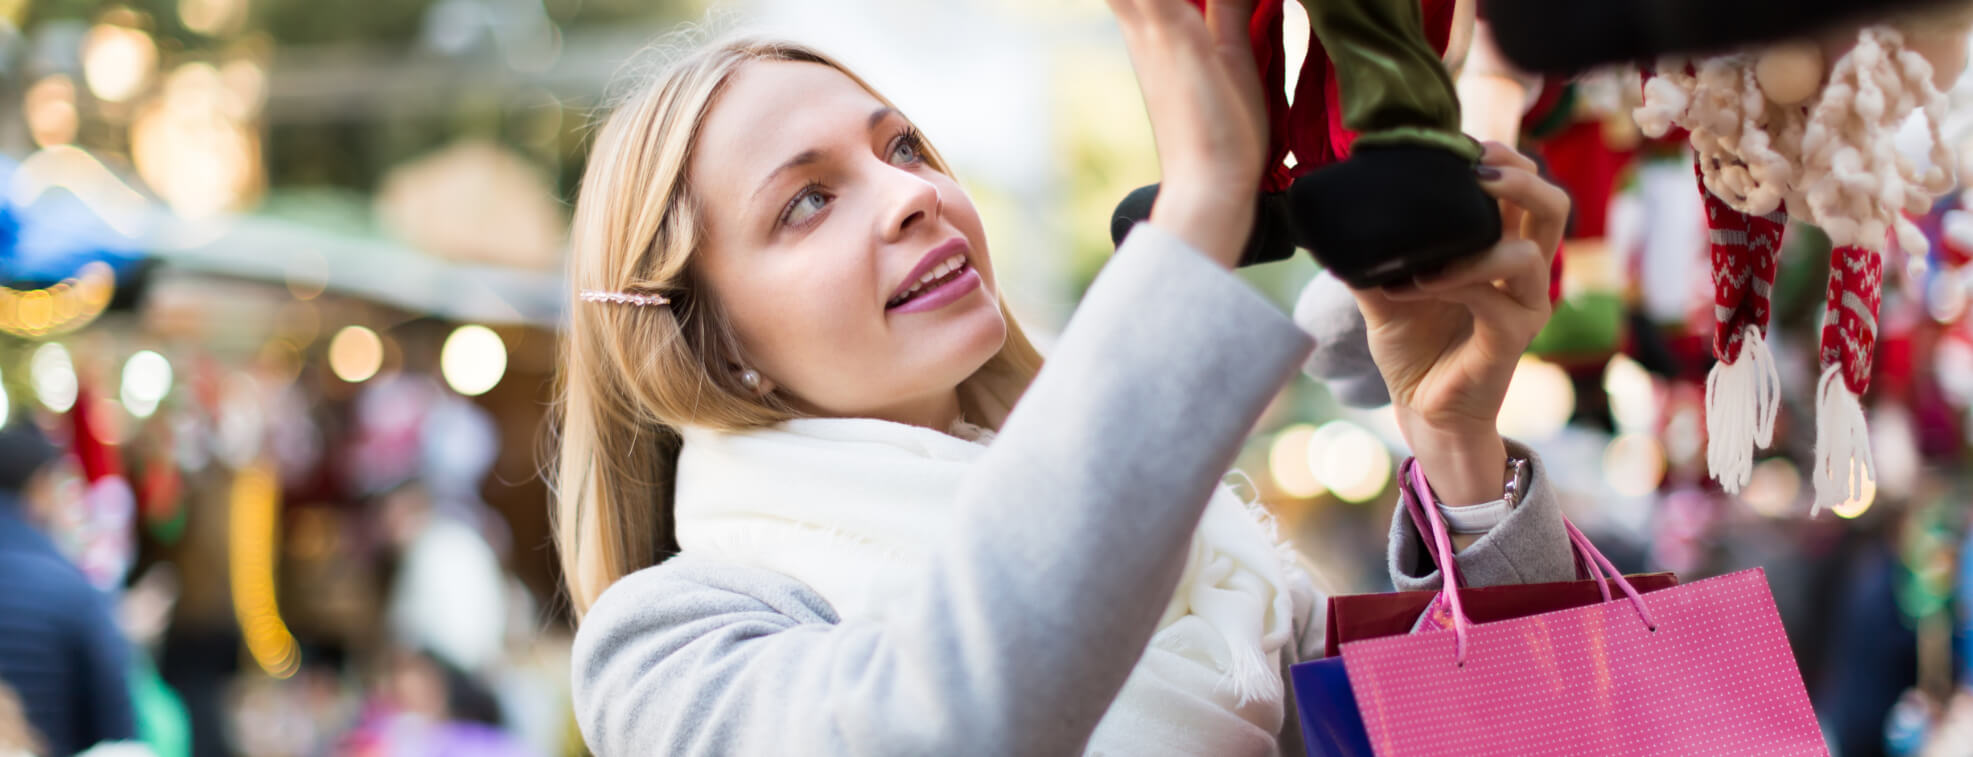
(1830, 161)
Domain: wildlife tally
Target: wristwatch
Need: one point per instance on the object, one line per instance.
(1481, 518)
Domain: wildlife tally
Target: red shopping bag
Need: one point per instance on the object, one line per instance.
(1368, 616)
(1697, 669)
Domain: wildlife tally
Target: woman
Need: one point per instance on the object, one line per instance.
(839, 508)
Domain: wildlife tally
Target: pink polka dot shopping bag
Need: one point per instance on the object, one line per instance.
(1696, 669)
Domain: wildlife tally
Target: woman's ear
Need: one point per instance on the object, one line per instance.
(760, 385)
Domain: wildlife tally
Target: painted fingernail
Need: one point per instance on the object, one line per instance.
(1487, 173)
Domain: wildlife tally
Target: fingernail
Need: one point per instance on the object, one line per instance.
(1487, 173)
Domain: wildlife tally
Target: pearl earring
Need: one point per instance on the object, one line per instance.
(750, 379)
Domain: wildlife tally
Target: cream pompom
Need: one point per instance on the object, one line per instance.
(1790, 73)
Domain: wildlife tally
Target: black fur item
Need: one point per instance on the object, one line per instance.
(1390, 213)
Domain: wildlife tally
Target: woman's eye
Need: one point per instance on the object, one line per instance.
(906, 150)
(805, 206)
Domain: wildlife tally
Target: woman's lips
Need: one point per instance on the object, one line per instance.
(955, 248)
(958, 284)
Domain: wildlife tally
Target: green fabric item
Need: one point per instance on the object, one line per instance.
(162, 723)
(1590, 324)
(1395, 90)
(1557, 118)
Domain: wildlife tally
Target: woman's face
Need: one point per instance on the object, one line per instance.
(855, 274)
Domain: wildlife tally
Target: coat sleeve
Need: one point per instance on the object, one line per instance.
(1529, 546)
(1015, 638)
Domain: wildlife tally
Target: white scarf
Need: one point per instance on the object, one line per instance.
(845, 507)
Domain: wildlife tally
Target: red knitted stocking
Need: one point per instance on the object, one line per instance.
(1743, 392)
(1849, 334)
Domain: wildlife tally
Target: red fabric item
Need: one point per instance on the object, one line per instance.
(98, 458)
(1555, 278)
(1588, 169)
(1745, 252)
(1849, 332)
(1312, 127)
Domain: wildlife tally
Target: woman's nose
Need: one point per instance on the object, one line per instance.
(912, 201)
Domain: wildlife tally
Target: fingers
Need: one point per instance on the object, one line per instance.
(1547, 206)
(1497, 156)
(1516, 268)
(1227, 21)
(1501, 156)
(1131, 13)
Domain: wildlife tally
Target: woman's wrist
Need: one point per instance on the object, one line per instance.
(1464, 467)
(1217, 224)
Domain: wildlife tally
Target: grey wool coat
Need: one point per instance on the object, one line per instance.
(1039, 604)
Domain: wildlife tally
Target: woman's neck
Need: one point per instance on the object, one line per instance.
(938, 412)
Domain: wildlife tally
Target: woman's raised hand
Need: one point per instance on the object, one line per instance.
(1448, 344)
(1203, 93)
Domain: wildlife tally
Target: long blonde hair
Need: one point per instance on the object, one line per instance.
(631, 376)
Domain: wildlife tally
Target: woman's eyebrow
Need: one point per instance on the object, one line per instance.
(803, 158)
(807, 157)
(878, 116)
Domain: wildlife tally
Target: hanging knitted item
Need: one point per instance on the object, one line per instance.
(1843, 462)
(1743, 392)
(1778, 134)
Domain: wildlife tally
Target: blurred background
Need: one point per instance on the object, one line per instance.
(279, 289)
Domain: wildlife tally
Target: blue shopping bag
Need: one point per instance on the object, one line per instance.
(1331, 724)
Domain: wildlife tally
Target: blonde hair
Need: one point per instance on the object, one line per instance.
(631, 376)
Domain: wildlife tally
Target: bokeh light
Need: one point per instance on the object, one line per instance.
(1633, 395)
(1953, 364)
(193, 145)
(1894, 449)
(52, 373)
(146, 381)
(1772, 490)
(473, 360)
(49, 106)
(212, 18)
(117, 60)
(355, 354)
(254, 517)
(1634, 464)
(1856, 506)
(6, 404)
(1349, 461)
(1288, 462)
(1539, 402)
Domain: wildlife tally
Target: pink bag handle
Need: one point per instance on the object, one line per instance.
(1421, 498)
(1585, 563)
(1586, 553)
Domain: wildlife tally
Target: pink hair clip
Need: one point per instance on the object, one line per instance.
(625, 298)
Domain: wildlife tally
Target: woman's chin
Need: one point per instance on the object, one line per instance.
(963, 342)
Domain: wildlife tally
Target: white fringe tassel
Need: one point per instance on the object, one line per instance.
(1742, 400)
(1843, 464)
